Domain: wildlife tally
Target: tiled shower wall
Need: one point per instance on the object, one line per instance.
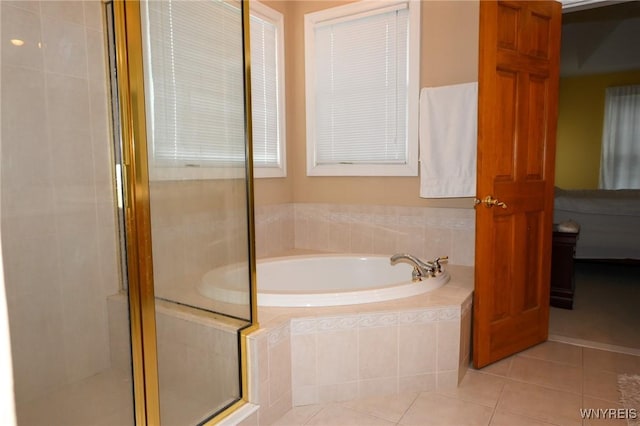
(425, 232)
(58, 215)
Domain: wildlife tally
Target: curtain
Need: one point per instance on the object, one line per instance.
(620, 159)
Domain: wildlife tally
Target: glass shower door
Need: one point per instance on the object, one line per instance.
(67, 303)
(193, 189)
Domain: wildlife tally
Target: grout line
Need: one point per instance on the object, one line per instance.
(495, 407)
(594, 345)
(404, 413)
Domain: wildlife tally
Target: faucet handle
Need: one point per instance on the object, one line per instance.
(416, 275)
(438, 262)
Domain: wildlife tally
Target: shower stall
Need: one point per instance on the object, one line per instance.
(125, 177)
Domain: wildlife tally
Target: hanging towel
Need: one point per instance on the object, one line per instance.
(448, 139)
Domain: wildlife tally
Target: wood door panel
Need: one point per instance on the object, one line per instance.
(507, 90)
(517, 114)
(505, 342)
(533, 239)
(538, 95)
(503, 271)
(508, 26)
(536, 41)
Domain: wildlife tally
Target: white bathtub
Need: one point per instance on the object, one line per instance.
(322, 280)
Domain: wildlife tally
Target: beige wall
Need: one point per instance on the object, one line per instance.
(580, 119)
(449, 55)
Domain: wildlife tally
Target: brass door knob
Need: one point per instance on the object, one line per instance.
(489, 201)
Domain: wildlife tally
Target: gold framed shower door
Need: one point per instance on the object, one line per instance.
(129, 52)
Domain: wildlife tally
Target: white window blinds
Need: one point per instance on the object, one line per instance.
(196, 75)
(267, 90)
(195, 84)
(361, 78)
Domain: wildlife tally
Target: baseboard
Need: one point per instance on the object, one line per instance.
(594, 345)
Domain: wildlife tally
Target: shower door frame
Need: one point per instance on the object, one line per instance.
(128, 38)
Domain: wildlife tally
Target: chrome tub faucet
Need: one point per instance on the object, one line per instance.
(421, 269)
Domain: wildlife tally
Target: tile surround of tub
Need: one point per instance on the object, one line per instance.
(303, 356)
(426, 232)
(274, 226)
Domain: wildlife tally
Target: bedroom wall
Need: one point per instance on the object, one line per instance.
(579, 137)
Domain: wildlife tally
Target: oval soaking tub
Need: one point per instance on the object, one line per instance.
(324, 280)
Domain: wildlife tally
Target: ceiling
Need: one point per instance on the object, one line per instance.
(600, 39)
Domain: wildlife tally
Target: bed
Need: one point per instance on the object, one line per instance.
(609, 221)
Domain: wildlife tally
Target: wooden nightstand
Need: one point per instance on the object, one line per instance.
(562, 279)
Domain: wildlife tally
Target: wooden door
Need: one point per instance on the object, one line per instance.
(518, 91)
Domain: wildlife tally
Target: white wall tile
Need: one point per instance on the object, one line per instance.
(93, 14)
(279, 370)
(69, 11)
(49, 197)
(417, 349)
(68, 109)
(448, 345)
(303, 360)
(24, 131)
(21, 25)
(65, 47)
(422, 231)
(31, 6)
(378, 352)
(337, 357)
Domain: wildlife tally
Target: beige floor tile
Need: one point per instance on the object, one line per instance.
(484, 389)
(547, 373)
(498, 368)
(600, 417)
(390, 408)
(503, 418)
(541, 403)
(432, 409)
(596, 359)
(601, 384)
(298, 415)
(333, 415)
(557, 352)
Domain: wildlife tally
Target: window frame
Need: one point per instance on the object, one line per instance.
(159, 172)
(345, 13)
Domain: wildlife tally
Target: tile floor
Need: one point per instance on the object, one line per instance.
(544, 385)
(605, 308)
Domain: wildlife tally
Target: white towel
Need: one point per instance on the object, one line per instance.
(448, 139)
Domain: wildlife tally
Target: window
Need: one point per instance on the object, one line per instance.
(195, 83)
(621, 139)
(362, 71)
(267, 91)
